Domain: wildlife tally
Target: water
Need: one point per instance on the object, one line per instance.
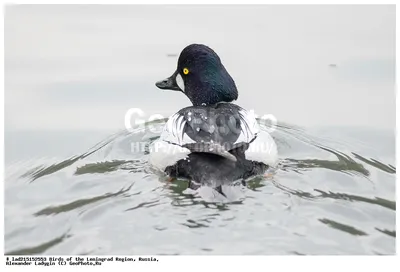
(74, 184)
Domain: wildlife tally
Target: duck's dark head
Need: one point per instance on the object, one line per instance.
(201, 77)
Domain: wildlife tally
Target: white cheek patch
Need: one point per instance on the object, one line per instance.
(179, 81)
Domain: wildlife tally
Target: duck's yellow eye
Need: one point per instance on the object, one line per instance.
(185, 71)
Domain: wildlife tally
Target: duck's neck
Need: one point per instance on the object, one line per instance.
(209, 94)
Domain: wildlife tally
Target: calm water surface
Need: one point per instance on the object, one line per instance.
(74, 185)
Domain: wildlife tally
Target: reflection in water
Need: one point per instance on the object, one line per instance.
(193, 224)
(377, 200)
(388, 232)
(344, 163)
(173, 205)
(144, 205)
(342, 227)
(40, 248)
(41, 171)
(255, 183)
(100, 167)
(79, 203)
(110, 166)
(387, 168)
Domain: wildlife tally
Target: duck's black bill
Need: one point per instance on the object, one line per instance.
(168, 83)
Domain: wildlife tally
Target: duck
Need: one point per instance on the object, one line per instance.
(213, 142)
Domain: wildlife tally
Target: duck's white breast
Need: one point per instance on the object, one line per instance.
(163, 154)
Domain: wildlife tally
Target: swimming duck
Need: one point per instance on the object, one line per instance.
(214, 141)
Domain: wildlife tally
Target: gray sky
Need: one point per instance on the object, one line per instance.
(83, 67)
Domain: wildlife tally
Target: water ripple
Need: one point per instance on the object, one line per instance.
(321, 198)
(79, 203)
(39, 248)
